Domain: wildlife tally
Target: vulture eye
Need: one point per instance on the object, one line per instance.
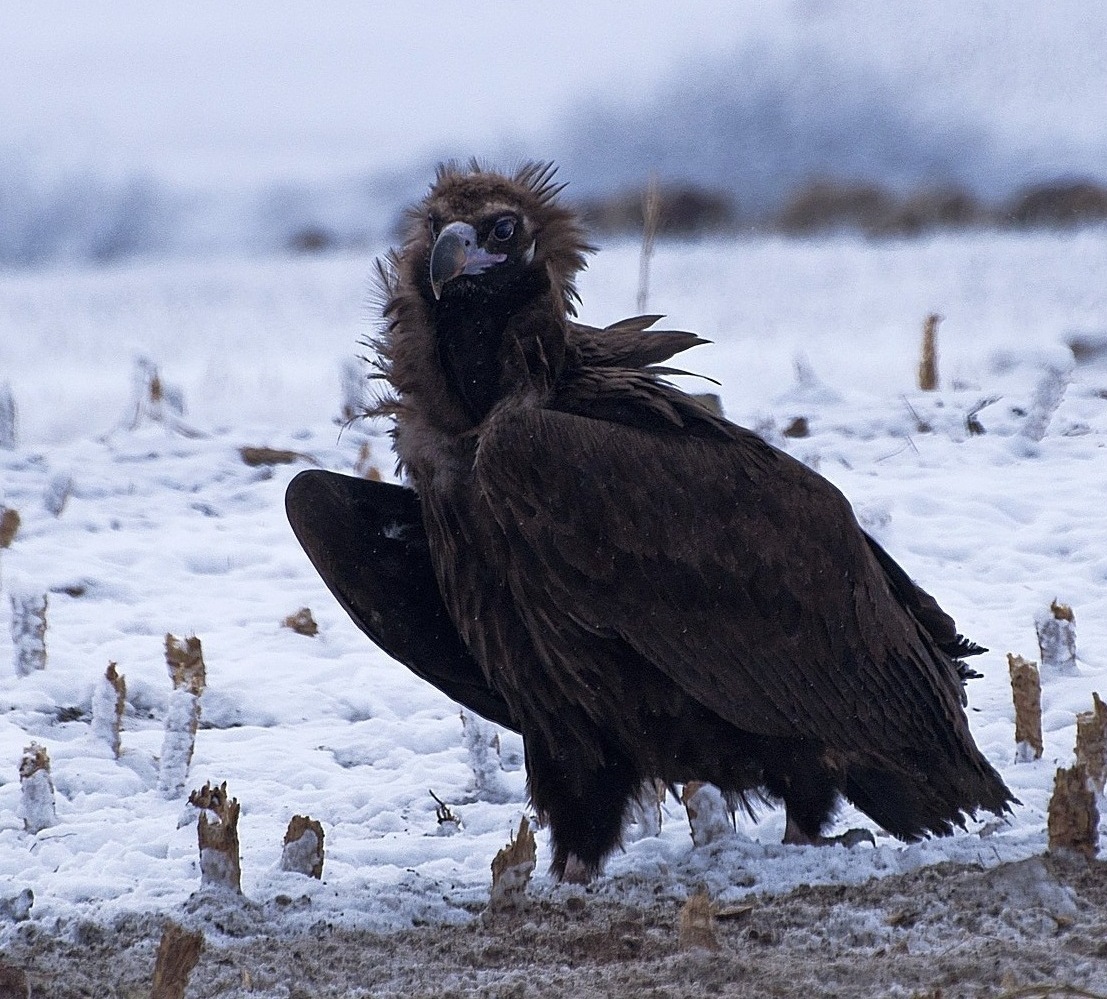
(433, 224)
(504, 229)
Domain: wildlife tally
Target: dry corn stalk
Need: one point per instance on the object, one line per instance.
(185, 661)
(178, 953)
(513, 866)
(9, 525)
(28, 625)
(36, 802)
(303, 847)
(696, 925)
(709, 817)
(7, 418)
(1057, 640)
(109, 697)
(1091, 742)
(220, 866)
(1026, 690)
(302, 622)
(482, 743)
(1073, 814)
(651, 218)
(928, 360)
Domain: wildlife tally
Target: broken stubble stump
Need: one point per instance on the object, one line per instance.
(109, 697)
(302, 622)
(303, 847)
(1073, 814)
(512, 867)
(1091, 742)
(9, 525)
(645, 811)
(1026, 691)
(178, 953)
(696, 925)
(1057, 640)
(708, 815)
(482, 743)
(185, 662)
(36, 790)
(220, 866)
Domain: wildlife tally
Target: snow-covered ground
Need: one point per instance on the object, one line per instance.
(169, 533)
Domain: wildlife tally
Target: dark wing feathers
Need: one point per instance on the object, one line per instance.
(685, 548)
(367, 542)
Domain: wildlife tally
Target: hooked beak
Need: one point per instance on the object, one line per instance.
(455, 253)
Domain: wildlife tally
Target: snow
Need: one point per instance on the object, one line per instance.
(166, 532)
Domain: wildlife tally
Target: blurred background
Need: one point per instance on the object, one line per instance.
(133, 129)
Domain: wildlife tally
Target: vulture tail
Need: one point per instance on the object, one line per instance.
(911, 808)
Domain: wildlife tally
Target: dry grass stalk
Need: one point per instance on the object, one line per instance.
(302, 622)
(303, 847)
(185, 661)
(513, 866)
(1073, 814)
(709, 817)
(109, 698)
(696, 925)
(28, 627)
(928, 360)
(1057, 639)
(36, 802)
(1091, 742)
(178, 953)
(9, 525)
(1026, 690)
(220, 866)
(651, 218)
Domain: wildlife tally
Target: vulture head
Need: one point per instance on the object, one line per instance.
(480, 296)
(479, 236)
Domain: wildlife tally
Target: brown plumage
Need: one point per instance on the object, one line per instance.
(642, 588)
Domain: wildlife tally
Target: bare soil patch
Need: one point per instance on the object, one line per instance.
(1033, 928)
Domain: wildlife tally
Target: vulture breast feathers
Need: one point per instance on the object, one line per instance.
(642, 588)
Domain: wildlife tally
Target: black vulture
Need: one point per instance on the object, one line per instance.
(590, 556)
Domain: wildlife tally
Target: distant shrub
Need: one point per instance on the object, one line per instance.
(684, 210)
(831, 205)
(836, 205)
(1060, 204)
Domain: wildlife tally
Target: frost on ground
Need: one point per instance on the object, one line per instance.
(1032, 928)
(989, 492)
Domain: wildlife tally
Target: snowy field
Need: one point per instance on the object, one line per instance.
(163, 532)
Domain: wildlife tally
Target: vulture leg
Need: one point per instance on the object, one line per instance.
(585, 807)
(795, 773)
(366, 539)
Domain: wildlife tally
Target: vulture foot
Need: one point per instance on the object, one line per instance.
(794, 836)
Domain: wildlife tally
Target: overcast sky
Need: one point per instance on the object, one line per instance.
(222, 92)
